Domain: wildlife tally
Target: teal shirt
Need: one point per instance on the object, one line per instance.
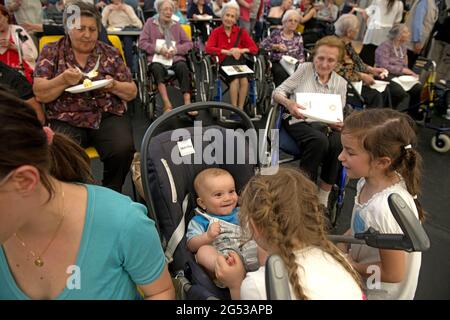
(119, 249)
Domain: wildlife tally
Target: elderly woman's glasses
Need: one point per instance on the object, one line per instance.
(293, 20)
(6, 178)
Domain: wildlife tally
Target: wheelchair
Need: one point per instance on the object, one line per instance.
(260, 86)
(147, 85)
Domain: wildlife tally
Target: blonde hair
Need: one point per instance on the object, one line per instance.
(207, 173)
(285, 208)
(331, 41)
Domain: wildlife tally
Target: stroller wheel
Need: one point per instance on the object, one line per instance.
(440, 143)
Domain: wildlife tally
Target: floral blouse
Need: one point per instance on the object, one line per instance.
(294, 46)
(351, 65)
(83, 109)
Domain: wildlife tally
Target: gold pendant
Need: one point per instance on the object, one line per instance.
(38, 262)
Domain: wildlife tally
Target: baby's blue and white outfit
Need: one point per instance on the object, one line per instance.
(229, 237)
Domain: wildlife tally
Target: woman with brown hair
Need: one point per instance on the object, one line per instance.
(61, 237)
(291, 225)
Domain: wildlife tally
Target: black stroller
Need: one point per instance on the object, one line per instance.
(170, 161)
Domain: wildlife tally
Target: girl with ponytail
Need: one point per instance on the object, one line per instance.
(379, 149)
(283, 214)
(61, 237)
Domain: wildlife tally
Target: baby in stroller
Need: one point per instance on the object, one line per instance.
(215, 229)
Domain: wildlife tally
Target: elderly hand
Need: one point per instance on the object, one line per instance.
(281, 47)
(230, 270)
(71, 76)
(367, 79)
(110, 86)
(409, 72)
(337, 126)
(418, 47)
(236, 53)
(380, 72)
(295, 109)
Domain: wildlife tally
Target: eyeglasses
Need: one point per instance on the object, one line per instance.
(6, 178)
(293, 20)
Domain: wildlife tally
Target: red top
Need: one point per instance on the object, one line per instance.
(11, 58)
(219, 40)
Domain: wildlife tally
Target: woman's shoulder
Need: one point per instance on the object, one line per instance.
(116, 205)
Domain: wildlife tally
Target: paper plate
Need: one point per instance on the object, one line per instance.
(407, 79)
(289, 59)
(95, 85)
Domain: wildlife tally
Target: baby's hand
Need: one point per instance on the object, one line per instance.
(214, 230)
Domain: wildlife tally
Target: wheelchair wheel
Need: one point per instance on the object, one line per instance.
(336, 198)
(260, 78)
(150, 107)
(440, 143)
(205, 80)
(143, 81)
(265, 104)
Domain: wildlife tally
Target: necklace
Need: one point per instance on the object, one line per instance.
(38, 261)
(400, 53)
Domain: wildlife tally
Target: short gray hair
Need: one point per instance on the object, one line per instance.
(396, 30)
(289, 13)
(86, 10)
(345, 23)
(159, 3)
(227, 6)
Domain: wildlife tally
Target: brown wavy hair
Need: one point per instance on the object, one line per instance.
(285, 208)
(385, 133)
(24, 142)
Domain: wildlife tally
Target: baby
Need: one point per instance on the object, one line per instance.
(215, 228)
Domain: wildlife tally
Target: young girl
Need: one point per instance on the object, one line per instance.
(282, 212)
(379, 148)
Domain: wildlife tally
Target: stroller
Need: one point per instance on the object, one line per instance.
(170, 161)
(413, 239)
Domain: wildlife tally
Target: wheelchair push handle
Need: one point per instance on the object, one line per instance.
(414, 237)
(277, 279)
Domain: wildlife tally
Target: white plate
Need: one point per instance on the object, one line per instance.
(114, 29)
(95, 85)
(407, 79)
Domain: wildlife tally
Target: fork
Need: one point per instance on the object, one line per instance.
(91, 74)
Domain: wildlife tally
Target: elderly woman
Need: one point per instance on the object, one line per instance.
(392, 55)
(119, 15)
(282, 42)
(320, 143)
(173, 45)
(352, 67)
(276, 13)
(94, 118)
(13, 38)
(229, 42)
